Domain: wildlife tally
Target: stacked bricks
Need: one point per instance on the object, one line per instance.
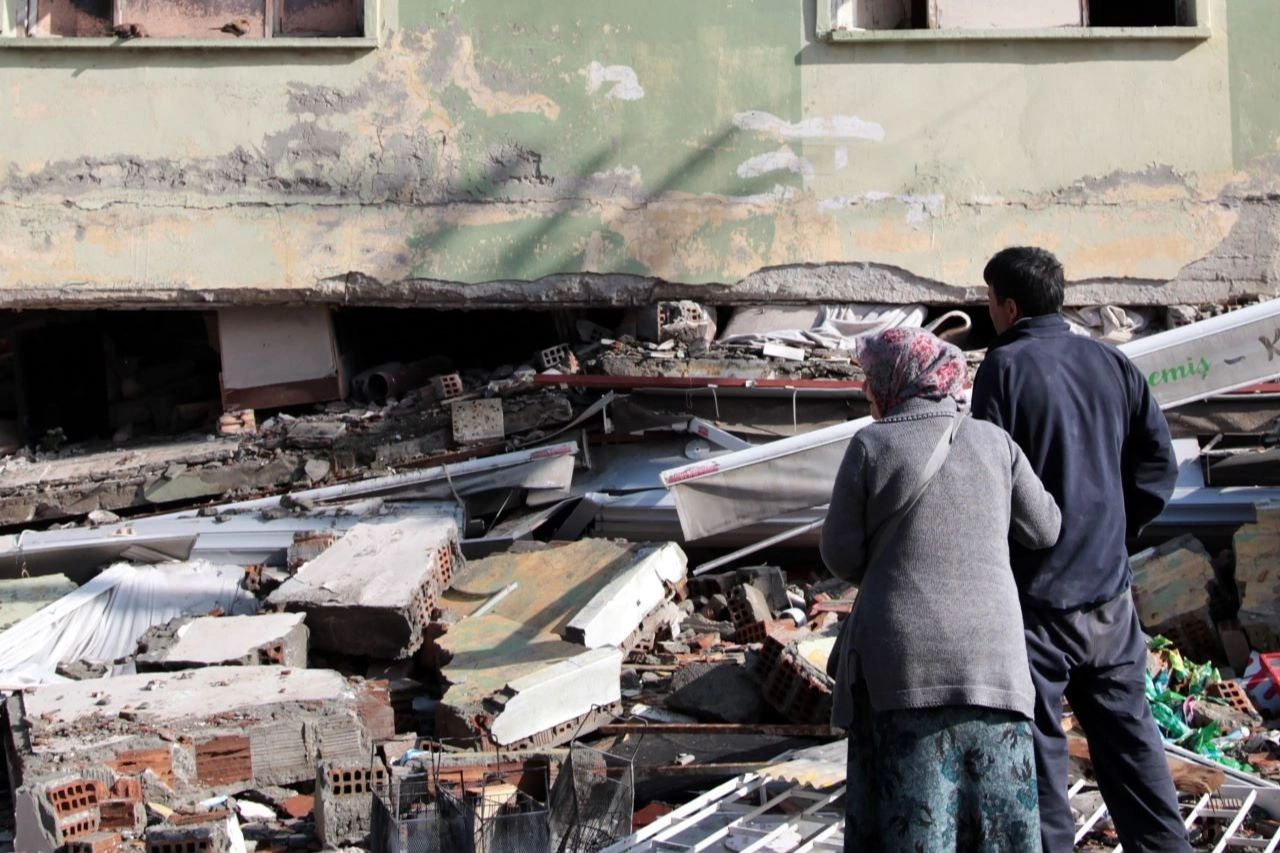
(344, 800)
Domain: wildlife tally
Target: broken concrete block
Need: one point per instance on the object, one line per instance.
(245, 727)
(611, 616)
(262, 640)
(684, 322)
(307, 545)
(724, 692)
(770, 580)
(513, 675)
(314, 435)
(1171, 581)
(374, 591)
(477, 420)
(344, 800)
(316, 470)
(219, 833)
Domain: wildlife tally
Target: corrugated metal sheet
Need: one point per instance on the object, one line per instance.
(817, 767)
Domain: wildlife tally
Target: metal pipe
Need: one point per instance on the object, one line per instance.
(497, 597)
(759, 546)
(393, 378)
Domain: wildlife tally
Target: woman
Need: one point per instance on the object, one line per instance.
(932, 681)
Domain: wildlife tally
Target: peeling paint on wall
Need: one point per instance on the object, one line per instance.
(782, 160)
(625, 84)
(825, 127)
(489, 143)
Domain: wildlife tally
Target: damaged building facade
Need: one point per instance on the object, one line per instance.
(384, 383)
(358, 154)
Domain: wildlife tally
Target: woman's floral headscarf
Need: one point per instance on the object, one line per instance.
(904, 363)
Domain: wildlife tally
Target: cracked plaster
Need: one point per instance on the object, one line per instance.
(465, 163)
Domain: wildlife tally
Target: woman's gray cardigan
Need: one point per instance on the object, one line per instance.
(937, 621)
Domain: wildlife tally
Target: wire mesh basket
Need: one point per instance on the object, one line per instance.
(591, 802)
(425, 813)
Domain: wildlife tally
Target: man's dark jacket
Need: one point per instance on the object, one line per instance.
(1085, 418)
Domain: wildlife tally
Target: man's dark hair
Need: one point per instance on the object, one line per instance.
(1031, 277)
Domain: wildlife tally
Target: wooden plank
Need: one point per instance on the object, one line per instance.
(1187, 777)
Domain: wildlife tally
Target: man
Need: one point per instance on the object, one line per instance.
(1085, 418)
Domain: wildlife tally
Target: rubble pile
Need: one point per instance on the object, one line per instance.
(461, 604)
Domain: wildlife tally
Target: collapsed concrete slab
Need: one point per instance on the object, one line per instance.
(374, 591)
(268, 638)
(183, 736)
(542, 659)
(509, 685)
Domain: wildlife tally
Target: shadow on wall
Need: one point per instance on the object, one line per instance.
(550, 239)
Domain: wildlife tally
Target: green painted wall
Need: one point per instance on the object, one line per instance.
(696, 142)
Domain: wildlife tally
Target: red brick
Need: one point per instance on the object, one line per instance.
(126, 788)
(120, 814)
(197, 818)
(649, 814)
(79, 825)
(223, 760)
(135, 762)
(95, 842)
(299, 806)
(76, 796)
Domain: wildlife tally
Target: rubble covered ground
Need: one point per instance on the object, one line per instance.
(451, 606)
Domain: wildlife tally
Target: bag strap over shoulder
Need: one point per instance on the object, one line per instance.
(936, 460)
